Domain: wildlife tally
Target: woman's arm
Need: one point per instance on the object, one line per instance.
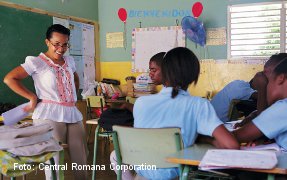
(13, 81)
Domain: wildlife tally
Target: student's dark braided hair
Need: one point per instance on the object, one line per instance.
(180, 67)
(281, 68)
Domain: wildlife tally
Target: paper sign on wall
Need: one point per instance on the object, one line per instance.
(115, 40)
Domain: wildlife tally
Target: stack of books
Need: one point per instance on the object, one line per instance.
(143, 89)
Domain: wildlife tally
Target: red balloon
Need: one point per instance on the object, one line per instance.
(197, 9)
(122, 13)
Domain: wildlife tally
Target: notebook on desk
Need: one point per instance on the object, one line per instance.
(272, 147)
(225, 159)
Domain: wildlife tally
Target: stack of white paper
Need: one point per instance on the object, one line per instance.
(223, 159)
(272, 146)
(15, 115)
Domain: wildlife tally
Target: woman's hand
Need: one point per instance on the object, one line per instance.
(32, 104)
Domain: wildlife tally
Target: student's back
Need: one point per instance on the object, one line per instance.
(192, 114)
(237, 89)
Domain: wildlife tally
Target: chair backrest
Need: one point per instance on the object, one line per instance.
(131, 100)
(94, 102)
(139, 146)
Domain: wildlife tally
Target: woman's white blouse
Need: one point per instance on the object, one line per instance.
(54, 85)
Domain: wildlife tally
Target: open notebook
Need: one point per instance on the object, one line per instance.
(224, 159)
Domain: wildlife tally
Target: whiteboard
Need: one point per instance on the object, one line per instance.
(147, 42)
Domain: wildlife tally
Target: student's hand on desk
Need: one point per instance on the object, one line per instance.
(257, 142)
(248, 119)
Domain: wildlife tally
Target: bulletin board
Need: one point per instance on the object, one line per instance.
(147, 42)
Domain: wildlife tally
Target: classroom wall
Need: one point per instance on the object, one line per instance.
(116, 62)
(87, 9)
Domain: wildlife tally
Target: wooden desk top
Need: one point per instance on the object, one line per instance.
(115, 101)
(193, 155)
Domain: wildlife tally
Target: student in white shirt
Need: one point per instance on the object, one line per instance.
(56, 83)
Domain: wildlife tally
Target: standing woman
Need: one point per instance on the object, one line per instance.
(56, 83)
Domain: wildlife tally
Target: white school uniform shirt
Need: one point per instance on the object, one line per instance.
(237, 89)
(193, 115)
(273, 122)
(54, 85)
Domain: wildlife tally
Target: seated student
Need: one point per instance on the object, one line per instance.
(154, 73)
(272, 122)
(173, 106)
(237, 89)
(260, 81)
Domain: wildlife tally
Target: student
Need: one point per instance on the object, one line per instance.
(173, 106)
(237, 89)
(154, 73)
(261, 81)
(272, 122)
(56, 83)
(155, 68)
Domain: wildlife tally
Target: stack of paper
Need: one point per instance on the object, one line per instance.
(15, 115)
(223, 159)
(272, 146)
(230, 125)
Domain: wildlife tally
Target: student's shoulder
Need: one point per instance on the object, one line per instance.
(238, 83)
(197, 99)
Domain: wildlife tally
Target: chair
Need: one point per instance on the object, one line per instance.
(233, 112)
(241, 108)
(131, 100)
(137, 146)
(93, 102)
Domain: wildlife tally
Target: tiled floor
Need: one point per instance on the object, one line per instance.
(103, 158)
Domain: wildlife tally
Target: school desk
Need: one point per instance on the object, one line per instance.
(192, 156)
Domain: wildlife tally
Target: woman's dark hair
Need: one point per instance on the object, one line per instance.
(157, 58)
(57, 28)
(281, 68)
(180, 67)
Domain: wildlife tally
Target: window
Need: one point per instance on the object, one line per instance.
(256, 30)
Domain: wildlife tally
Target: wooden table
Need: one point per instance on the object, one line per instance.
(192, 156)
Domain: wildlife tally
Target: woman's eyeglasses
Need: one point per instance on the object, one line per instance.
(58, 45)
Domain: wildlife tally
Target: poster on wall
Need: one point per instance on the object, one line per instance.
(89, 69)
(64, 22)
(76, 38)
(88, 40)
(80, 69)
(147, 42)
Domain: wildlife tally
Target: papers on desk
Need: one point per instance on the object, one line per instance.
(230, 125)
(15, 115)
(224, 159)
(272, 146)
